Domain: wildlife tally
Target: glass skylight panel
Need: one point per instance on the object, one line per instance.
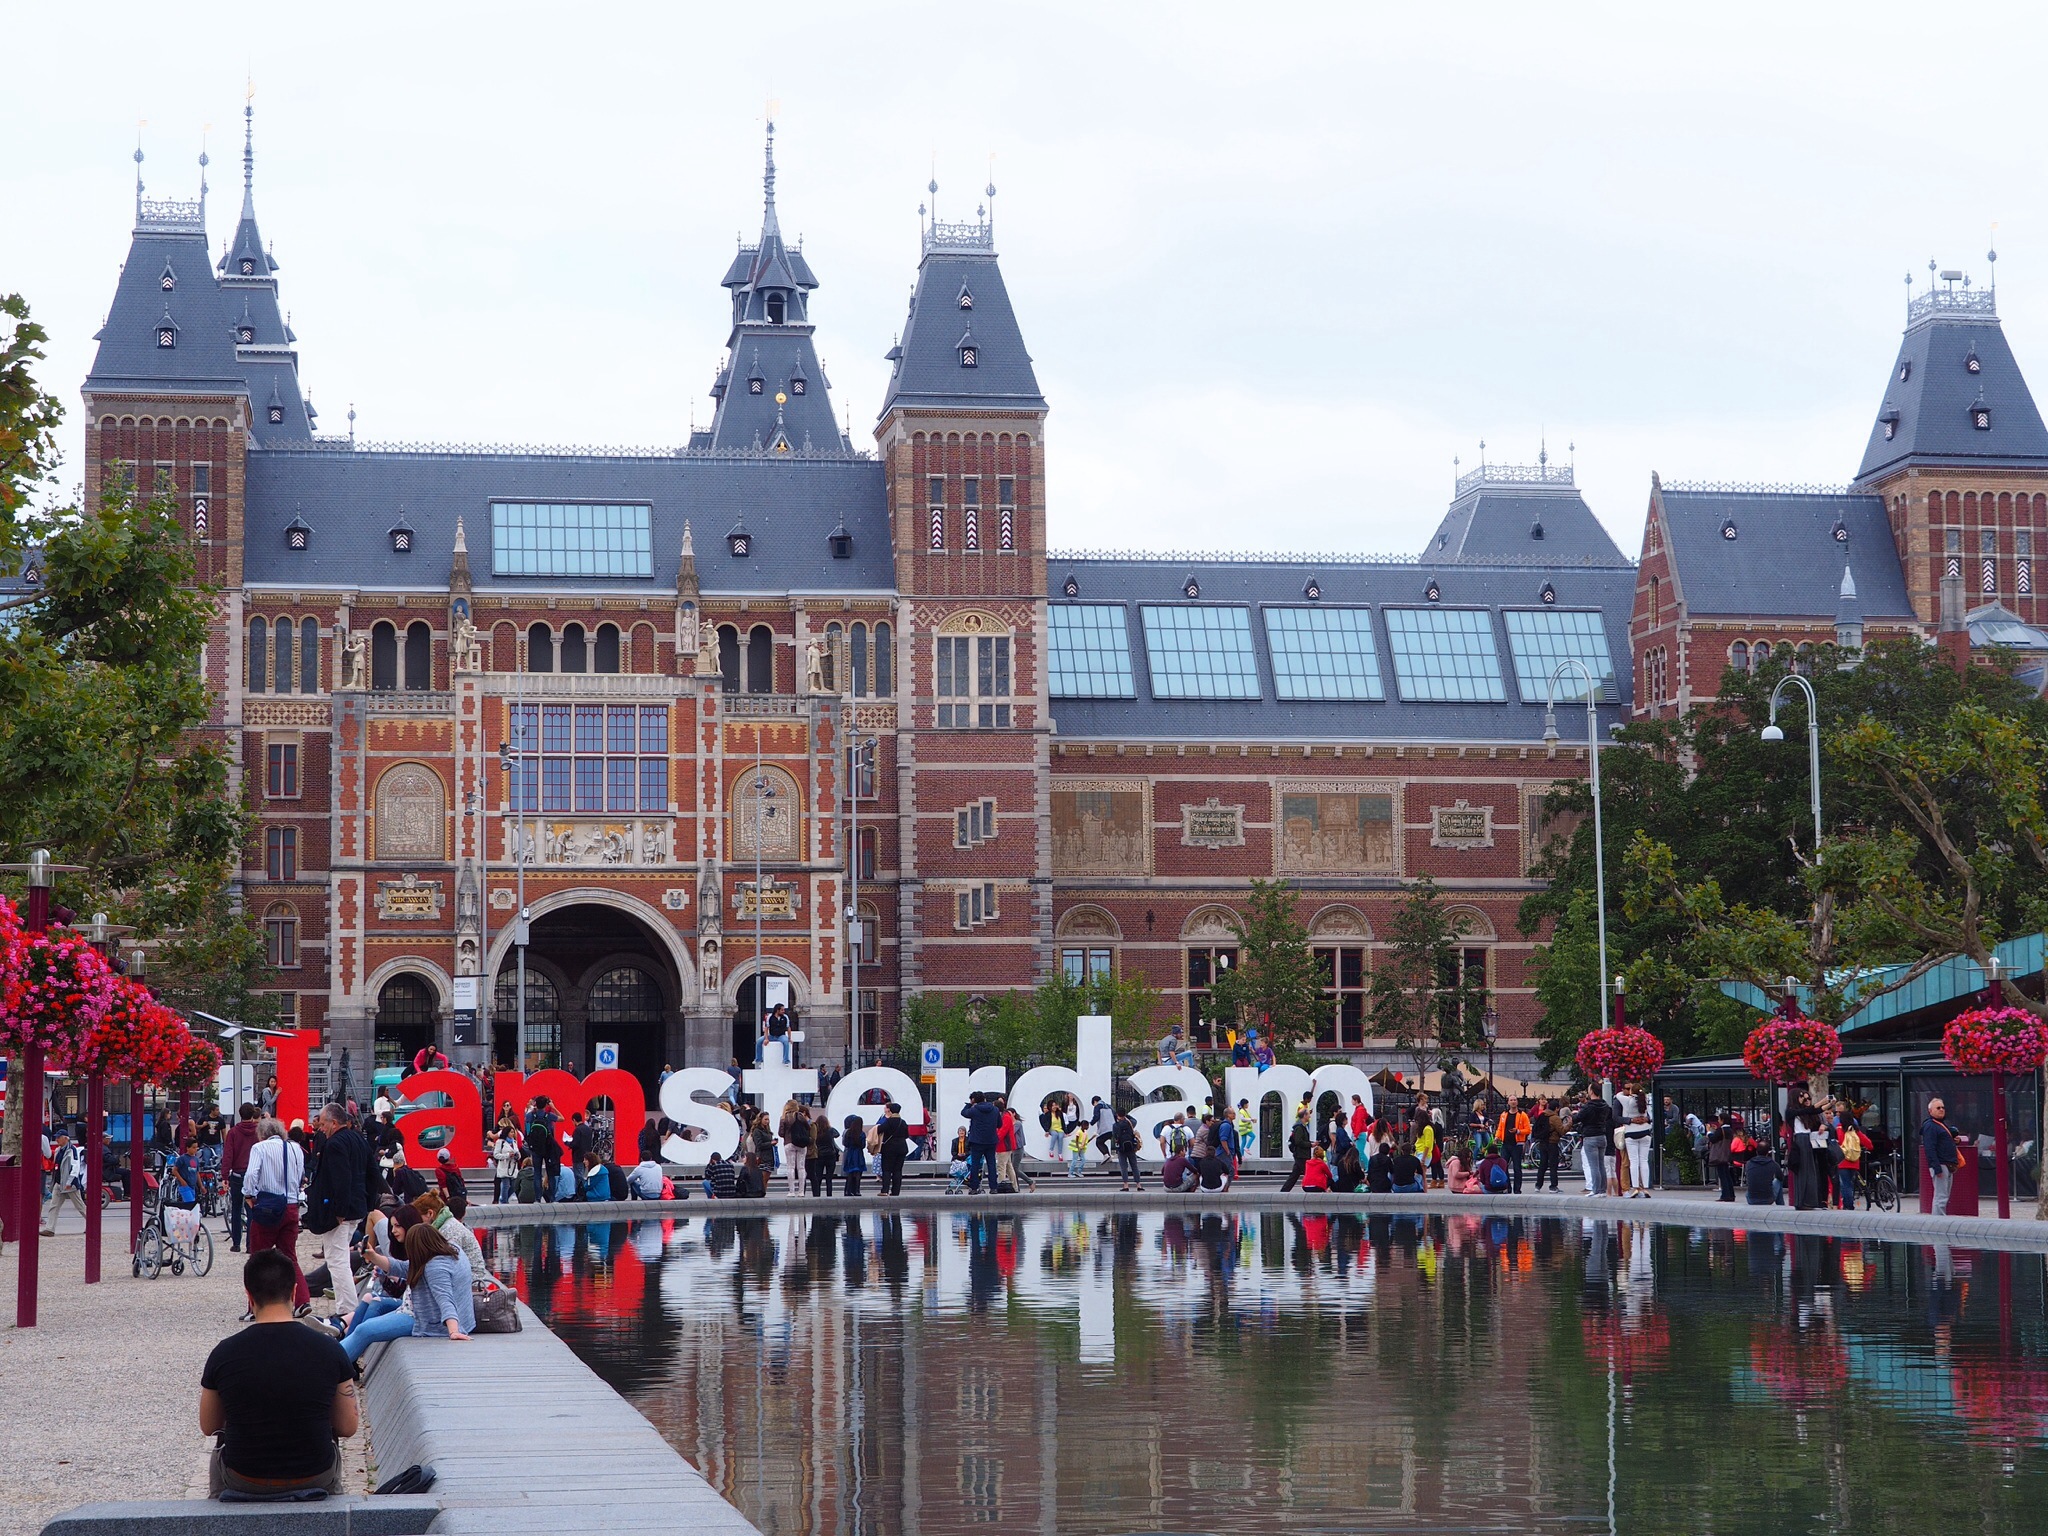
(1200, 653)
(530, 538)
(1323, 653)
(1091, 652)
(1542, 637)
(1445, 654)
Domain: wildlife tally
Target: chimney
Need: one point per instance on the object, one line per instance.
(1953, 639)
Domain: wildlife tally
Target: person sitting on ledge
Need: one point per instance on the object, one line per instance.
(1492, 1173)
(1316, 1176)
(1405, 1169)
(1379, 1177)
(1214, 1172)
(1456, 1180)
(438, 1297)
(721, 1177)
(277, 1395)
(645, 1181)
(1763, 1182)
(1178, 1177)
(750, 1182)
(597, 1179)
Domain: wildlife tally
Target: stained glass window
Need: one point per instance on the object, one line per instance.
(1445, 654)
(571, 539)
(1541, 638)
(1200, 653)
(1091, 652)
(1323, 653)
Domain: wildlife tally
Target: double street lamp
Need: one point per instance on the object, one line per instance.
(1773, 733)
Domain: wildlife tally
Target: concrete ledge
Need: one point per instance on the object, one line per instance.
(354, 1515)
(572, 1455)
(1060, 1193)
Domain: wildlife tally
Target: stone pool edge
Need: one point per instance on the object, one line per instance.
(2019, 1234)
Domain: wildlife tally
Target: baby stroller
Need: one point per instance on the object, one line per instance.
(956, 1177)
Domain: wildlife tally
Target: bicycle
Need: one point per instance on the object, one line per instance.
(1879, 1183)
(157, 1247)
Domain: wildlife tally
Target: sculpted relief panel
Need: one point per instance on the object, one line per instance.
(411, 814)
(1102, 829)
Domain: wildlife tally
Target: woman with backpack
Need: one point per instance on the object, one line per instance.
(1123, 1140)
(854, 1160)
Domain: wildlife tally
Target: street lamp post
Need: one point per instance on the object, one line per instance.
(512, 756)
(1489, 1026)
(1593, 780)
(1773, 733)
(764, 792)
(102, 933)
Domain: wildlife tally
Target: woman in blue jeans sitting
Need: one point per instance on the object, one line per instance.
(437, 1297)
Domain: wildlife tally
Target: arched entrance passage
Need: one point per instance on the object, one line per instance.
(405, 1019)
(595, 974)
(753, 995)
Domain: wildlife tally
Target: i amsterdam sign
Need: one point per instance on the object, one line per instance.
(690, 1097)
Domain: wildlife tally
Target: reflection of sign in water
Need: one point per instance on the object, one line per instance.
(1336, 832)
(408, 899)
(1212, 825)
(1099, 830)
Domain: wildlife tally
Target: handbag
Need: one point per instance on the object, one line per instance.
(268, 1207)
(497, 1309)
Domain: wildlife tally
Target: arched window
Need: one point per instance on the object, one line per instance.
(627, 995)
(835, 657)
(605, 652)
(729, 658)
(419, 656)
(543, 1018)
(259, 656)
(775, 309)
(283, 672)
(405, 1019)
(860, 661)
(760, 660)
(383, 657)
(1803, 662)
(575, 653)
(885, 664)
(870, 932)
(281, 936)
(1738, 656)
(540, 649)
(1759, 655)
(309, 656)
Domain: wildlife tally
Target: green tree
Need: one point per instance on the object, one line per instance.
(1421, 996)
(1275, 986)
(1017, 1030)
(28, 425)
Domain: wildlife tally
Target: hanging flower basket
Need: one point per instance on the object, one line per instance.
(13, 945)
(1630, 1054)
(1995, 1040)
(62, 986)
(1789, 1048)
(137, 1039)
(196, 1068)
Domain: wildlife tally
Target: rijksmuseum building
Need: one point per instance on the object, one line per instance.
(780, 712)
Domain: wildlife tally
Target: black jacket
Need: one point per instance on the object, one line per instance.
(895, 1137)
(340, 1188)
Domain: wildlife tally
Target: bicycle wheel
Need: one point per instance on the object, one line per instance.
(202, 1251)
(1884, 1194)
(149, 1254)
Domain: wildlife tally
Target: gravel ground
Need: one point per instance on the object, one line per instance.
(103, 1394)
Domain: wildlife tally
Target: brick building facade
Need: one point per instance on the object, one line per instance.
(770, 713)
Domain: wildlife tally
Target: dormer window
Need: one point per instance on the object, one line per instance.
(756, 386)
(1312, 590)
(1980, 416)
(1536, 529)
(1070, 588)
(1840, 531)
(247, 266)
(966, 298)
(169, 280)
(298, 534)
(967, 356)
(796, 385)
(841, 543)
(1905, 370)
(166, 337)
(775, 308)
(739, 543)
(1433, 592)
(1728, 529)
(1191, 588)
(275, 415)
(401, 536)
(1890, 421)
(1972, 363)
(1548, 594)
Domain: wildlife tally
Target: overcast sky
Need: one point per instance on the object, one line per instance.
(1276, 265)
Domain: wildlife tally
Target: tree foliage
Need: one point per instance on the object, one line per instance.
(1019, 1029)
(1421, 997)
(28, 424)
(1275, 985)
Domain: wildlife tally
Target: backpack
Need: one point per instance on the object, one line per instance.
(1297, 1140)
(1497, 1178)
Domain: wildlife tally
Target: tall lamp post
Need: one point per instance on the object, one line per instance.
(102, 933)
(860, 760)
(512, 760)
(764, 792)
(1489, 1026)
(1772, 732)
(1593, 781)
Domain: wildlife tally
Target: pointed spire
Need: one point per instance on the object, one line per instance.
(138, 175)
(461, 541)
(770, 225)
(686, 568)
(249, 156)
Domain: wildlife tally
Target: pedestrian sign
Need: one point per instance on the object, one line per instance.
(607, 1056)
(930, 1060)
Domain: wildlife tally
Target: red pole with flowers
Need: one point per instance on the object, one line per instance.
(1626, 1053)
(1789, 1047)
(1998, 1041)
(135, 1037)
(56, 988)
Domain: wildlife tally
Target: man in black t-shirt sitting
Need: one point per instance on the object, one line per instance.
(277, 1394)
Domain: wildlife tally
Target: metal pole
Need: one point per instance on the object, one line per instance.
(760, 836)
(852, 900)
(42, 876)
(1593, 781)
(95, 1137)
(1772, 733)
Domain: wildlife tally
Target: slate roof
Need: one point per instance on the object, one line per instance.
(1258, 583)
(1785, 560)
(1932, 403)
(928, 372)
(1492, 523)
(351, 499)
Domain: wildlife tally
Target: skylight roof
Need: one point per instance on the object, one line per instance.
(1200, 653)
(571, 539)
(1090, 652)
(1323, 653)
(1445, 655)
(1543, 637)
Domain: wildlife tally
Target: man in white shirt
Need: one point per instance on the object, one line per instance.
(70, 1177)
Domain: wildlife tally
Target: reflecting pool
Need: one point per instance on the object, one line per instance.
(938, 1373)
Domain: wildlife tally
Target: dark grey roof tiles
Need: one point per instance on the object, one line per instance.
(203, 359)
(1281, 583)
(929, 373)
(1494, 523)
(352, 498)
(1785, 560)
(1930, 409)
(777, 355)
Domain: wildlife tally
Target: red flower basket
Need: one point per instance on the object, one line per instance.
(1789, 1048)
(61, 988)
(13, 944)
(1629, 1054)
(1993, 1040)
(196, 1069)
(137, 1039)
